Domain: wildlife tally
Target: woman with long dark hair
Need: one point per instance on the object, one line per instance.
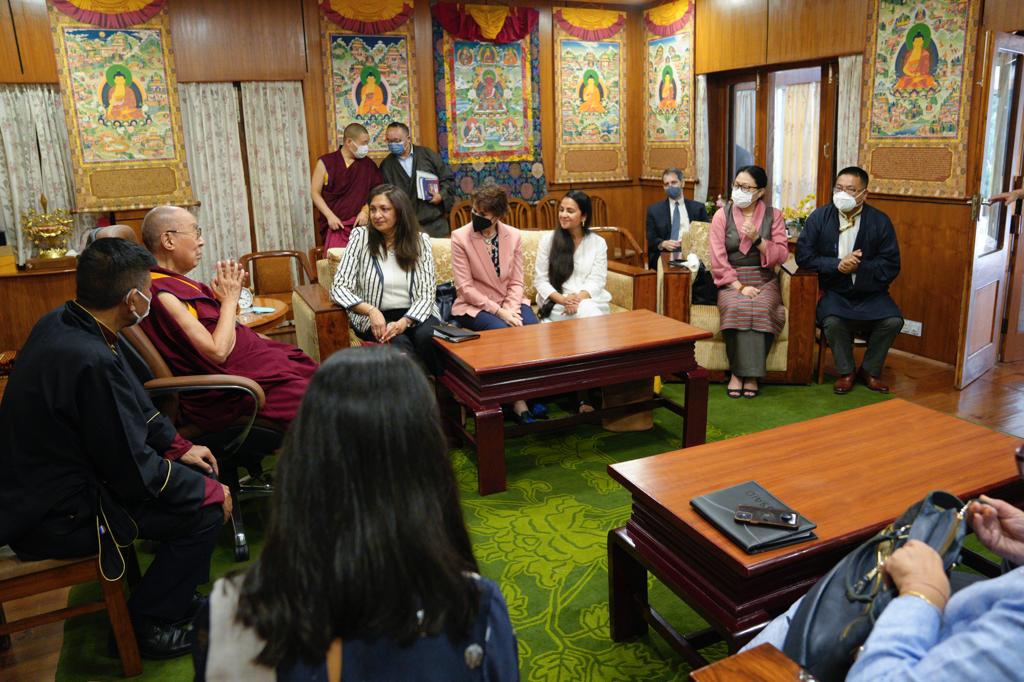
(366, 545)
(386, 278)
(572, 265)
(747, 243)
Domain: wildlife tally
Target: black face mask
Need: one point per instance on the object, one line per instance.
(480, 223)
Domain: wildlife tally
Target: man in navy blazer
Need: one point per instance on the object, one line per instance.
(852, 246)
(661, 217)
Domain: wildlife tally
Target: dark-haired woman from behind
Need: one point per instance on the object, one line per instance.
(386, 278)
(367, 566)
(572, 265)
(748, 241)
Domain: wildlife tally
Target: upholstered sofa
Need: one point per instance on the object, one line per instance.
(321, 327)
(791, 357)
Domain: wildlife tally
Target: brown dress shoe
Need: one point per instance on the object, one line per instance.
(843, 384)
(873, 383)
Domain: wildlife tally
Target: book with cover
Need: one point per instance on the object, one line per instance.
(426, 185)
(720, 506)
(449, 332)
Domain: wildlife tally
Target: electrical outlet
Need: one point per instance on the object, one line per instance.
(912, 327)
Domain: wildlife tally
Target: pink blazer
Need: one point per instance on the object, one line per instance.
(477, 286)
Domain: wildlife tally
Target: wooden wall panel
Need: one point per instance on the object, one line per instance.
(933, 238)
(238, 40)
(1003, 15)
(313, 85)
(10, 63)
(799, 31)
(38, 63)
(730, 34)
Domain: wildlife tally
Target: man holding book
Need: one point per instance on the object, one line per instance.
(423, 175)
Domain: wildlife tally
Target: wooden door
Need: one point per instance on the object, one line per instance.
(1013, 322)
(980, 339)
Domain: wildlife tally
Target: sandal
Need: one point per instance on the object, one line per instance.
(524, 418)
(734, 392)
(585, 407)
(751, 392)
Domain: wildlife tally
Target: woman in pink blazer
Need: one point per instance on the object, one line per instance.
(487, 260)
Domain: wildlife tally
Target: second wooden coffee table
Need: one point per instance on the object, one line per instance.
(505, 365)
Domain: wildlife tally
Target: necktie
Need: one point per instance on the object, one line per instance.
(675, 220)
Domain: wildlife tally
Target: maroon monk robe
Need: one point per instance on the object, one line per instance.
(283, 371)
(345, 193)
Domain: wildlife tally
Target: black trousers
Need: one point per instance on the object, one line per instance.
(417, 341)
(181, 563)
(880, 335)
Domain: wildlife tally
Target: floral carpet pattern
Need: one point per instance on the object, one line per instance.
(544, 540)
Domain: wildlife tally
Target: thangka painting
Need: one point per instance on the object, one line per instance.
(914, 132)
(669, 138)
(590, 86)
(120, 99)
(487, 95)
(369, 82)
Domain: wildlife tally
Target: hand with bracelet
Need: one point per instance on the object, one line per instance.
(745, 289)
(915, 569)
(396, 328)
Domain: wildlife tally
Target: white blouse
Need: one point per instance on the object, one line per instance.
(589, 268)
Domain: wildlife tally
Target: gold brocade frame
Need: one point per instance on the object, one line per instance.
(657, 156)
(126, 183)
(917, 165)
(590, 162)
(405, 31)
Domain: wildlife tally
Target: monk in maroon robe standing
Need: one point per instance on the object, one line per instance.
(194, 328)
(342, 182)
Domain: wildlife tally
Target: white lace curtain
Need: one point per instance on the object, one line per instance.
(275, 135)
(851, 76)
(210, 126)
(35, 158)
(700, 192)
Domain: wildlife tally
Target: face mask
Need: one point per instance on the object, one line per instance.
(396, 147)
(742, 197)
(361, 151)
(844, 201)
(674, 192)
(149, 306)
(480, 223)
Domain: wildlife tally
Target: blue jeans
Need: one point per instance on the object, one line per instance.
(484, 320)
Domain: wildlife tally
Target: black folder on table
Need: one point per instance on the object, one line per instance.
(449, 332)
(720, 506)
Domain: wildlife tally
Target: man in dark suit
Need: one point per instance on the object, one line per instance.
(399, 168)
(852, 246)
(669, 220)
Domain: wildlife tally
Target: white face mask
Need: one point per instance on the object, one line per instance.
(149, 306)
(844, 201)
(742, 197)
(361, 151)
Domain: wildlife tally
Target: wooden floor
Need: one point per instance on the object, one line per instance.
(995, 400)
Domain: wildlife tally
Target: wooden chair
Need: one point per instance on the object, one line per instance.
(599, 210)
(244, 442)
(461, 214)
(545, 212)
(622, 247)
(274, 274)
(823, 348)
(19, 579)
(520, 214)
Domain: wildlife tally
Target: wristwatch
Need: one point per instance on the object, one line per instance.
(758, 242)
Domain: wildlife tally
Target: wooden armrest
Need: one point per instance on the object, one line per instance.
(630, 270)
(645, 284)
(207, 382)
(763, 662)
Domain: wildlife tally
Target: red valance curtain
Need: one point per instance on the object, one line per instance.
(368, 18)
(458, 21)
(110, 13)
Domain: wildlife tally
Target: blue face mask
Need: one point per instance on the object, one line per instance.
(396, 147)
(674, 192)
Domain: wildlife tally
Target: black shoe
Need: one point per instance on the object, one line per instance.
(193, 606)
(164, 640)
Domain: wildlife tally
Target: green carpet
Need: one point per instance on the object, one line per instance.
(544, 540)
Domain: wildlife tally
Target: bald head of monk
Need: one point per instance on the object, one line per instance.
(173, 236)
(115, 231)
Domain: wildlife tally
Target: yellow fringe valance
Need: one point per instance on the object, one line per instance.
(589, 24)
(489, 18)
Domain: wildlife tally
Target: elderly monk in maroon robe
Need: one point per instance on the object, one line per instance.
(341, 183)
(195, 329)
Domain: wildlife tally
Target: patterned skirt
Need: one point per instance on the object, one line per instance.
(763, 313)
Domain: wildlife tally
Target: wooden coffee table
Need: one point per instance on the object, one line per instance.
(851, 473)
(505, 365)
(261, 322)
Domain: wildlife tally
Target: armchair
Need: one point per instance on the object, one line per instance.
(274, 274)
(461, 214)
(791, 359)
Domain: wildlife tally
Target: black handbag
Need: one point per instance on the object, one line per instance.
(703, 290)
(445, 301)
(837, 615)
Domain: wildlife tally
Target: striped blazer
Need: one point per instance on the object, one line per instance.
(360, 279)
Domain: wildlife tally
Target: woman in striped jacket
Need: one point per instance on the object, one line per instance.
(748, 241)
(386, 278)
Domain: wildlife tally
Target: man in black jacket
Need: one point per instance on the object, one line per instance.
(669, 220)
(400, 168)
(90, 464)
(852, 246)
